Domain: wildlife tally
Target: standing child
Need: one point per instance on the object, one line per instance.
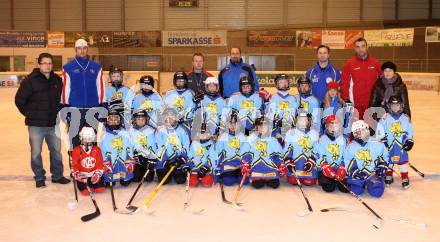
(119, 96)
(397, 133)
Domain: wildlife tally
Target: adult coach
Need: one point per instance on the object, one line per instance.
(197, 76)
(358, 77)
(38, 99)
(322, 73)
(83, 91)
(230, 76)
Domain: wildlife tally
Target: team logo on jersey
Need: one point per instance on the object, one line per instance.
(305, 104)
(142, 141)
(234, 143)
(262, 147)
(305, 142)
(247, 104)
(333, 149)
(179, 103)
(200, 151)
(396, 129)
(212, 108)
(117, 144)
(173, 140)
(147, 104)
(88, 162)
(117, 95)
(284, 106)
(365, 156)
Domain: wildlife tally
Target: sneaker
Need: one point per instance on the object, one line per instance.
(40, 184)
(405, 183)
(62, 180)
(389, 180)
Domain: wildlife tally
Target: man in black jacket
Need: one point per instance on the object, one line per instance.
(38, 99)
(197, 77)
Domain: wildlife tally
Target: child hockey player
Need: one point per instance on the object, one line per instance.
(212, 107)
(119, 97)
(298, 151)
(397, 133)
(282, 107)
(229, 148)
(248, 104)
(173, 145)
(332, 102)
(117, 151)
(144, 144)
(148, 100)
(308, 102)
(366, 162)
(263, 162)
(328, 152)
(181, 99)
(87, 163)
(202, 159)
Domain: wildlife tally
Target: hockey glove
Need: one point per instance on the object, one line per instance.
(203, 170)
(408, 145)
(327, 170)
(245, 168)
(341, 173)
(96, 176)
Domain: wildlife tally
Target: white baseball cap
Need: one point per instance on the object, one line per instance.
(81, 43)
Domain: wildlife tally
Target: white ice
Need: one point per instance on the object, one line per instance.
(30, 214)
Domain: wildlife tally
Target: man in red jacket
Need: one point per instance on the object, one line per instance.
(358, 77)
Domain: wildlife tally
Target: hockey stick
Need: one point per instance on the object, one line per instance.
(72, 204)
(129, 206)
(435, 176)
(115, 209)
(223, 193)
(342, 209)
(186, 203)
(309, 206)
(237, 192)
(378, 223)
(156, 190)
(95, 214)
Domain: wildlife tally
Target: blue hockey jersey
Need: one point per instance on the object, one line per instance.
(183, 103)
(144, 142)
(248, 108)
(152, 103)
(397, 129)
(117, 148)
(202, 154)
(361, 160)
(124, 94)
(171, 144)
(311, 105)
(330, 151)
(281, 107)
(229, 150)
(212, 108)
(299, 148)
(264, 155)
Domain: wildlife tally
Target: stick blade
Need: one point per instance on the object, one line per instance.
(304, 213)
(378, 223)
(90, 216)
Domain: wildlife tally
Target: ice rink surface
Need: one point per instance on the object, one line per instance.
(30, 214)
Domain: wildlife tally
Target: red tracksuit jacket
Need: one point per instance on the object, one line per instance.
(364, 74)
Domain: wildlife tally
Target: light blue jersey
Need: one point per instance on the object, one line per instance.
(152, 103)
(329, 151)
(281, 107)
(183, 103)
(299, 148)
(171, 144)
(124, 94)
(248, 108)
(117, 148)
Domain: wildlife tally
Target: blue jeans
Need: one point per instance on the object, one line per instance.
(36, 137)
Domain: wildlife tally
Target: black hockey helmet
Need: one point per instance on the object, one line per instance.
(180, 75)
(112, 70)
(114, 119)
(147, 80)
(244, 80)
(280, 77)
(395, 100)
(303, 80)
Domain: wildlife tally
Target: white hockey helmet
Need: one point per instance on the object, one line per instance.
(87, 134)
(359, 125)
